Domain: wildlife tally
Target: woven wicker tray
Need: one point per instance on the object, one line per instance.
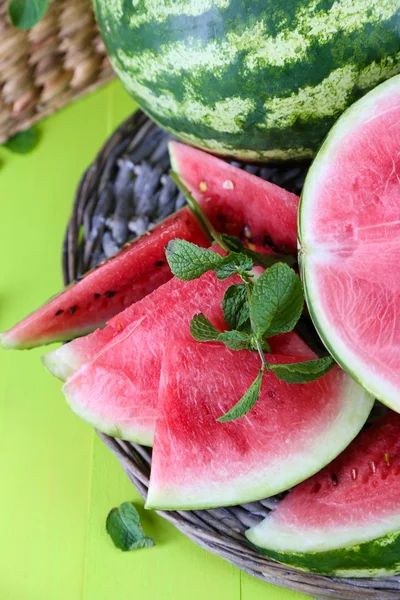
(41, 70)
(112, 209)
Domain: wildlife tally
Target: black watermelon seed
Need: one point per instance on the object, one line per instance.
(96, 296)
(159, 263)
(72, 309)
(110, 294)
(59, 312)
(334, 478)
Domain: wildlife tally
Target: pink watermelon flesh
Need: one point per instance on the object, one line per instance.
(354, 499)
(107, 290)
(117, 390)
(236, 202)
(290, 433)
(350, 238)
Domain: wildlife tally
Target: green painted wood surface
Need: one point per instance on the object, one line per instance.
(58, 481)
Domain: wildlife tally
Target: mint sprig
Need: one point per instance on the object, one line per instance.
(256, 309)
(124, 528)
(203, 331)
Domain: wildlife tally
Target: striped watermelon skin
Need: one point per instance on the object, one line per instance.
(255, 79)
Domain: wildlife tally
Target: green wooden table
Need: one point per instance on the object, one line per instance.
(58, 481)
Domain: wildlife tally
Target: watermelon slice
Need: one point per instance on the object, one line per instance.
(64, 361)
(235, 201)
(344, 521)
(125, 365)
(349, 232)
(291, 432)
(106, 290)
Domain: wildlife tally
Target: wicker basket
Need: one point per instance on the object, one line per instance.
(42, 69)
(109, 207)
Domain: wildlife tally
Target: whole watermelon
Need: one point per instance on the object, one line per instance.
(254, 79)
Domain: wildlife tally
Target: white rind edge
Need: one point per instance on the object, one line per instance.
(348, 122)
(272, 535)
(271, 479)
(137, 435)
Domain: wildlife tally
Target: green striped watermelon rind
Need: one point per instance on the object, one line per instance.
(376, 558)
(353, 116)
(250, 81)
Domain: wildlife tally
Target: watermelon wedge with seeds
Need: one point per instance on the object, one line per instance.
(290, 433)
(349, 235)
(138, 269)
(236, 202)
(344, 521)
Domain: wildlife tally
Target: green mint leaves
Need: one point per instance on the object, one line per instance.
(23, 142)
(123, 526)
(247, 401)
(277, 301)
(235, 306)
(203, 331)
(24, 14)
(188, 261)
(303, 372)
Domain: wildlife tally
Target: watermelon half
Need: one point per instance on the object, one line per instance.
(349, 235)
(253, 79)
(138, 269)
(236, 202)
(291, 432)
(344, 521)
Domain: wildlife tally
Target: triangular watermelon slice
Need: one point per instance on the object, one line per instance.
(116, 390)
(133, 273)
(344, 521)
(291, 432)
(236, 202)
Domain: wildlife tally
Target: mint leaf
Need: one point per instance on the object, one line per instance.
(233, 263)
(235, 340)
(246, 402)
(203, 331)
(23, 142)
(303, 372)
(24, 14)
(235, 306)
(277, 301)
(123, 526)
(188, 261)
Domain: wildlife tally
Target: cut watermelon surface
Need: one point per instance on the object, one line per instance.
(108, 289)
(291, 432)
(117, 391)
(114, 375)
(349, 233)
(344, 521)
(236, 202)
